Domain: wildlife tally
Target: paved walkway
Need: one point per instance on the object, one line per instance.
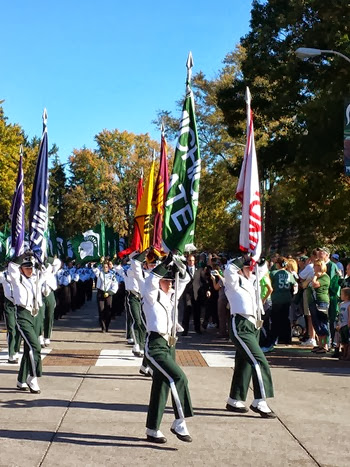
(93, 405)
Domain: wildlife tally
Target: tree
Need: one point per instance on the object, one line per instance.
(103, 182)
(57, 190)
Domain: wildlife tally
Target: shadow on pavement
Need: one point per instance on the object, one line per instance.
(81, 439)
(30, 402)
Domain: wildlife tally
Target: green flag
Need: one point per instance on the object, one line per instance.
(182, 198)
(52, 248)
(89, 246)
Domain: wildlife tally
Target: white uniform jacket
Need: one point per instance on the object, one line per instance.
(158, 306)
(27, 292)
(51, 277)
(131, 283)
(106, 281)
(241, 294)
(6, 283)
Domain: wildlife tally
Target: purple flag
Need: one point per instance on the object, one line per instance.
(17, 212)
(38, 216)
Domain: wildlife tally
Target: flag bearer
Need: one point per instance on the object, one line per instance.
(159, 302)
(250, 361)
(27, 286)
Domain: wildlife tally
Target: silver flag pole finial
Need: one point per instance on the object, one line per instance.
(189, 65)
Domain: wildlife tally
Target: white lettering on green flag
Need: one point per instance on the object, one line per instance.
(182, 198)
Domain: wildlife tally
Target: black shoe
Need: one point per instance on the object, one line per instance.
(231, 408)
(153, 439)
(137, 354)
(12, 362)
(145, 373)
(185, 438)
(263, 414)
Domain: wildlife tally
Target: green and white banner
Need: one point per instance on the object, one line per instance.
(89, 246)
(183, 192)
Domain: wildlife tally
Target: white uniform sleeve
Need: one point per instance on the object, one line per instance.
(231, 277)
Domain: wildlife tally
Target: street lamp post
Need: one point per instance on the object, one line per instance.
(306, 52)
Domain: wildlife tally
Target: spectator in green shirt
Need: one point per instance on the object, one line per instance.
(318, 299)
(283, 284)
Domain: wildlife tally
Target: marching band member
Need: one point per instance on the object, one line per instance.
(250, 361)
(159, 301)
(27, 286)
(133, 307)
(13, 335)
(107, 286)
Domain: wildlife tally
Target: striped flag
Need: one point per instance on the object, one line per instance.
(182, 198)
(38, 215)
(17, 212)
(160, 192)
(248, 193)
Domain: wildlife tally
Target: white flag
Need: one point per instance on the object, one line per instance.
(249, 194)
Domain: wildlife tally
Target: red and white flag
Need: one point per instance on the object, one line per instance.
(248, 193)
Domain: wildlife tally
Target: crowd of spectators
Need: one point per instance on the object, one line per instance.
(305, 298)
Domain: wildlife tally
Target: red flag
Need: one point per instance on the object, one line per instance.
(248, 193)
(136, 240)
(160, 192)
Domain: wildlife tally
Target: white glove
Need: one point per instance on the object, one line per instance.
(179, 264)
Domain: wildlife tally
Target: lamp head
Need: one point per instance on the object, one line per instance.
(306, 52)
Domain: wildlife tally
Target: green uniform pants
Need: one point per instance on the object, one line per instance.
(166, 375)
(250, 362)
(50, 305)
(138, 330)
(13, 335)
(31, 360)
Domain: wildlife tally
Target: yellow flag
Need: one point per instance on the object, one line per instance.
(144, 210)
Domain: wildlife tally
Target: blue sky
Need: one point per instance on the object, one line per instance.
(107, 63)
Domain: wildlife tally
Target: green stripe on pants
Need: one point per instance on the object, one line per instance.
(250, 362)
(166, 375)
(31, 360)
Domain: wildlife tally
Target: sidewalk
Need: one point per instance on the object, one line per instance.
(90, 415)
